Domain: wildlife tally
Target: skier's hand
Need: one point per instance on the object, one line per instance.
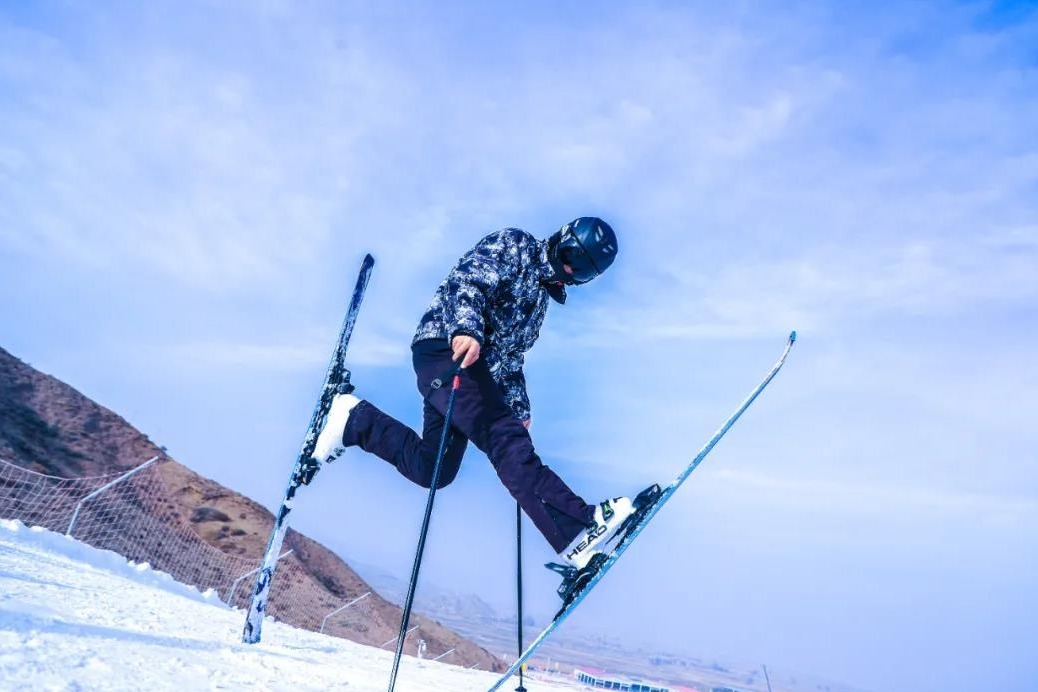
(466, 348)
(527, 422)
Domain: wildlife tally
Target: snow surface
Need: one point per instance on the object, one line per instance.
(74, 617)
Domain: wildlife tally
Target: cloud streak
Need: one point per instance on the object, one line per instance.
(872, 502)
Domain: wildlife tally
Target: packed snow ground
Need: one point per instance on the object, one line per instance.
(74, 617)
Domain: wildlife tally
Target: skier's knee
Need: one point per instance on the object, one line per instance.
(445, 479)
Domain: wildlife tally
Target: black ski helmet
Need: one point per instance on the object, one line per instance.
(588, 245)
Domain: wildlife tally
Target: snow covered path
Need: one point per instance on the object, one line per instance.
(73, 617)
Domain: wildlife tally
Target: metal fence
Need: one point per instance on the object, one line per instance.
(133, 514)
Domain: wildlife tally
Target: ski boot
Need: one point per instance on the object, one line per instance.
(614, 520)
(328, 445)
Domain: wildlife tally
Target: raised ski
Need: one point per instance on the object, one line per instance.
(336, 381)
(577, 584)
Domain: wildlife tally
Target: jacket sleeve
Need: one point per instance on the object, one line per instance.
(471, 284)
(512, 382)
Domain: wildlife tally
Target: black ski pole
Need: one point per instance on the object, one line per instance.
(519, 583)
(454, 370)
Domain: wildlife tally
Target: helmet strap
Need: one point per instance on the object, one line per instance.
(557, 291)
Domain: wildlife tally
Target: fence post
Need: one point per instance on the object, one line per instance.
(103, 488)
(234, 584)
(355, 600)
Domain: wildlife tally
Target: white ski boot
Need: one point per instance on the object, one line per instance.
(609, 519)
(329, 441)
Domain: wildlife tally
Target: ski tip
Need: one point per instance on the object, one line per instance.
(368, 260)
(793, 337)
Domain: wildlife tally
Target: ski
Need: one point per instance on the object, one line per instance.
(577, 584)
(337, 380)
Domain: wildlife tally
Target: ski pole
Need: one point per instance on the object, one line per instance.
(519, 584)
(455, 371)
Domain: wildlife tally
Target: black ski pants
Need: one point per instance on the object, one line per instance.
(481, 415)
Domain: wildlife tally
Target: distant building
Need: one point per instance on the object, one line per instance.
(601, 680)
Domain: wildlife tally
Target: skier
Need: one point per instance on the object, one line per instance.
(487, 313)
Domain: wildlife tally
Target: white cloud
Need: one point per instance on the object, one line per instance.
(863, 501)
(365, 350)
(168, 162)
(754, 126)
(822, 292)
(255, 358)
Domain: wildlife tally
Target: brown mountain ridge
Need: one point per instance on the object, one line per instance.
(206, 533)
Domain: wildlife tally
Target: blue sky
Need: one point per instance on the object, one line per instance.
(186, 190)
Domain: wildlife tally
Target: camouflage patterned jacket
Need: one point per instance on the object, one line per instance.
(495, 294)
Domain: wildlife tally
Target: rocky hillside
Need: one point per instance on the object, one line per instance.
(50, 428)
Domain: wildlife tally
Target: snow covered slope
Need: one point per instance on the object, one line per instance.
(74, 617)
